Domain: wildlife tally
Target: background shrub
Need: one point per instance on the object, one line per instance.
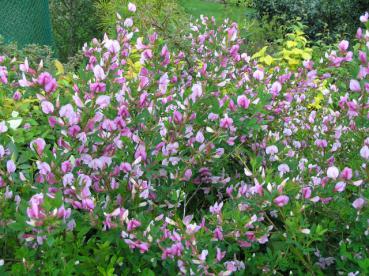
(74, 22)
(324, 17)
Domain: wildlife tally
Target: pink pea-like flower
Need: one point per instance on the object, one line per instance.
(200, 137)
(187, 174)
(258, 75)
(43, 167)
(243, 101)
(2, 151)
(364, 152)
(112, 46)
(103, 101)
(132, 225)
(47, 81)
(340, 187)
(177, 117)
(10, 166)
(271, 150)
(99, 73)
(66, 166)
(141, 152)
(216, 208)
(226, 122)
(333, 172)
(358, 203)
(131, 7)
(306, 192)
(196, 92)
(276, 88)
(128, 22)
(283, 168)
(3, 127)
(17, 95)
(343, 45)
(346, 173)
(364, 18)
(281, 200)
(220, 254)
(355, 86)
(38, 145)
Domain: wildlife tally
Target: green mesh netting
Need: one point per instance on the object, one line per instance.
(25, 21)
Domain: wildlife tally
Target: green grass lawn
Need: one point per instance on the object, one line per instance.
(218, 10)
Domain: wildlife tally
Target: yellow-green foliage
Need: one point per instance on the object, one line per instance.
(292, 53)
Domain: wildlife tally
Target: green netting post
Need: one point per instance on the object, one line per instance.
(25, 22)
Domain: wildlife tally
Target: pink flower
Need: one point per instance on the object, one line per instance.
(141, 152)
(340, 187)
(24, 67)
(196, 92)
(364, 152)
(103, 101)
(97, 87)
(283, 168)
(112, 46)
(3, 127)
(48, 82)
(216, 208)
(132, 225)
(343, 46)
(258, 75)
(200, 137)
(243, 101)
(131, 7)
(220, 255)
(276, 88)
(355, 86)
(177, 117)
(281, 200)
(38, 145)
(17, 95)
(271, 150)
(306, 192)
(226, 122)
(364, 18)
(128, 22)
(47, 107)
(187, 174)
(358, 203)
(66, 166)
(35, 210)
(333, 172)
(2, 151)
(99, 73)
(43, 167)
(10, 166)
(346, 173)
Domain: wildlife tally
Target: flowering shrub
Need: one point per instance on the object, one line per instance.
(151, 160)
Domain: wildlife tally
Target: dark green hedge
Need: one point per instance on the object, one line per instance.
(328, 17)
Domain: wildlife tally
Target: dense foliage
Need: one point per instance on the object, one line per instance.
(325, 18)
(74, 22)
(152, 160)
